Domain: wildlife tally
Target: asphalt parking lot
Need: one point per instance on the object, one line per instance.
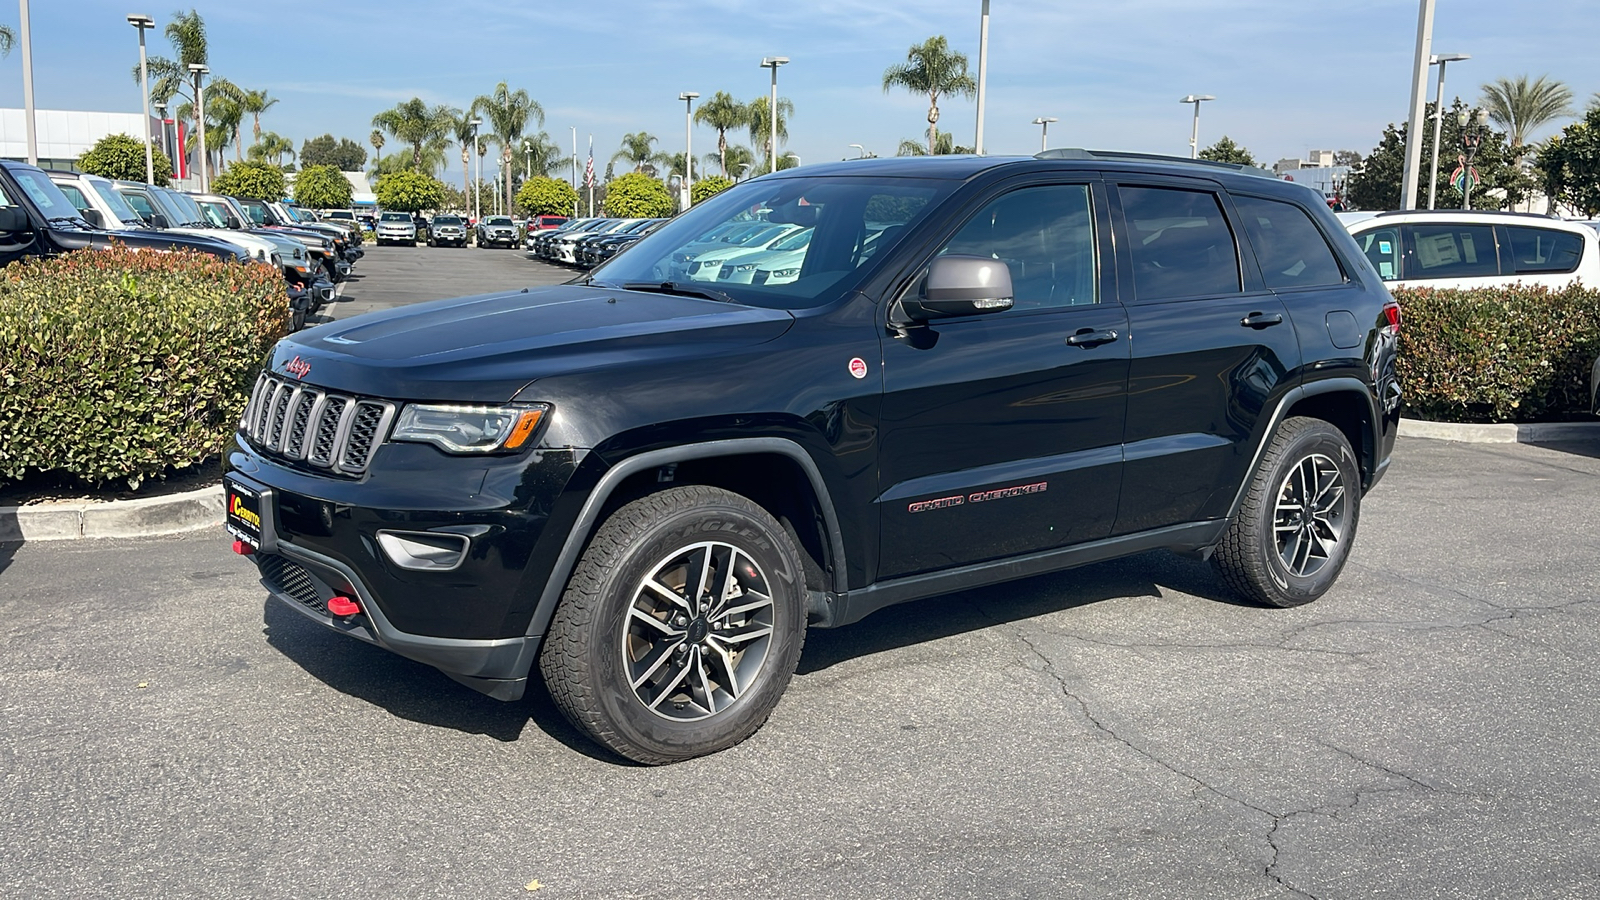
(1427, 729)
(397, 276)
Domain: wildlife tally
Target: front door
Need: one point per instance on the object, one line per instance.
(1002, 433)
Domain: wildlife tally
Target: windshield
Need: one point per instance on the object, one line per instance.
(852, 221)
(109, 196)
(169, 208)
(446, 220)
(44, 193)
(396, 217)
(215, 213)
(499, 220)
(191, 210)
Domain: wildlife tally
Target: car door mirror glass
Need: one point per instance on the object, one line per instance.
(93, 217)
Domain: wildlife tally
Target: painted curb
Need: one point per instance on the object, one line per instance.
(1534, 433)
(146, 517)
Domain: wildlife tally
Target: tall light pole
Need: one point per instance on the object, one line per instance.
(688, 98)
(161, 117)
(27, 87)
(1419, 103)
(197, 70)
(1442, 59)
(141, 23)
(1194, 130)
(574, 171)
(983, 73)
(477, 178)
(1044, 131)
(773, 62)
(527, 158)
(861, 151)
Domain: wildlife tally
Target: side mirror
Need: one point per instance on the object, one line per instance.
(234, 223)
(93, 217)
(962, 286)
(157, 220)
(14, 218)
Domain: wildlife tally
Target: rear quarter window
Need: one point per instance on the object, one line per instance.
(1450, 251)
(1288, 245)
(1542, 251)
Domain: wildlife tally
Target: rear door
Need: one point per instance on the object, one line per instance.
(1212, 346)
(1002, 433)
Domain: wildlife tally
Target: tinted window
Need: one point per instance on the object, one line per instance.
(1290, 249)
(139, 202)
(1045, 236)
(1382, 248)
(1541, 250)
(1450, 251)
(80, 202)
(1181, 243)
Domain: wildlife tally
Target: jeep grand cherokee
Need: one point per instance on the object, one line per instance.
(983, 369)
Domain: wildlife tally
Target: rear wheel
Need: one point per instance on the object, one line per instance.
(1293, 532)
(680, 628)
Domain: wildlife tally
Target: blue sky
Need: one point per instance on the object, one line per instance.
(1286, 80)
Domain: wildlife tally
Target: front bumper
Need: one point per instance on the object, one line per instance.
(321, 539)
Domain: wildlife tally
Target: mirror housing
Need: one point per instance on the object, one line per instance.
(234, 223)
(14, 218)
(157, 220)
(962, 286)
(93, 217)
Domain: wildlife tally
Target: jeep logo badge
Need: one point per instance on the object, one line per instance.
(297, 367)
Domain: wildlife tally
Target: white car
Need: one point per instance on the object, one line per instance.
(153, 205)
(786, 253)
(707, 266)
(1471, 249)
(397, 228)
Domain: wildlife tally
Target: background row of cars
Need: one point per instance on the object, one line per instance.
(313, 256)
(587, 242)
(453, 230)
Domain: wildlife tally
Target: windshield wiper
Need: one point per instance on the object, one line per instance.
(79, 221)
(678, 288)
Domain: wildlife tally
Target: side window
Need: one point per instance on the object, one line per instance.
(1045, 236)
(1450, 251)
(140, 203)
(1181, 243)
(75, 197)
(1543, 250)
(1291, 250)
(1382, 248)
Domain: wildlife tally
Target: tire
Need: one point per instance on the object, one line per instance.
(1273, 553)
(626, 608)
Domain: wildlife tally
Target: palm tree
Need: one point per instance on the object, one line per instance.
(423, 127)
(761, 130)
(945, 145)
(170, 77)
(932, 68)
(376, 139)
(722, 112)
(255, 103)
(637, 150)
(461, 126)
(1521, 107)
(541, 155)
(7, 39)
(738, 156)
(507, 112)
(272, 147)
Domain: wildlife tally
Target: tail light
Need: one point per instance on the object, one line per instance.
(1391, 312)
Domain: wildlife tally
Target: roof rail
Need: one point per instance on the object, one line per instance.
(1447, 212)
(1112, 155)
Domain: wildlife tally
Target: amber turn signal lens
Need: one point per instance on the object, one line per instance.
(528, 421)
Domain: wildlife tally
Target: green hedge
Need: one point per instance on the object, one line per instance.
(1520, 354)
(120, 364)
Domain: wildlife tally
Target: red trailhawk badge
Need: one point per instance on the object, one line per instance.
(297, 367)
(858, 367)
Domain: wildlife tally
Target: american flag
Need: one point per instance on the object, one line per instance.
(588, 169)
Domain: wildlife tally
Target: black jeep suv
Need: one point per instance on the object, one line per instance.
(977, 369)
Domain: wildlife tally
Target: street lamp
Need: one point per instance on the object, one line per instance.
(1194, 132)
(1472, 129)
(983, 73)
(25, 35)
(861, 152)
(773, 62)
(142, 22)
(1044, 131)
(745, 167)
(477, 179)
(795, 157)
(688, 98)
(197, 70)
(1438, 105)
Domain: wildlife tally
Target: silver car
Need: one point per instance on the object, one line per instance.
(397, 228)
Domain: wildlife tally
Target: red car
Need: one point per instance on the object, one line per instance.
(545, 223)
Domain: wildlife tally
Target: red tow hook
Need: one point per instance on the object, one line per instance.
(243, 549)
(343, 606)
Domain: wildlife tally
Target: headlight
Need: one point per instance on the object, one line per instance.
(785, 273)
(469, 429)
(747, 267)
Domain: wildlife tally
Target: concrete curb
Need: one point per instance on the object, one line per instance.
(146, 517)
(1535, 433)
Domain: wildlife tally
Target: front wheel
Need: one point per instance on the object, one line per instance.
(1294, 529)
(680, 628)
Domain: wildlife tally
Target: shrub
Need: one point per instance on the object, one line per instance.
(121, 156)
(253, 180)
(1520, 354)
(638, 196)
(409, 191)
(706, 188)
(120, 364)
(547, 197)
(322, 187)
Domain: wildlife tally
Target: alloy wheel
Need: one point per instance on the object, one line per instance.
(1309, 520)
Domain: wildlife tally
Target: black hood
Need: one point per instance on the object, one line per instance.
(486, 348)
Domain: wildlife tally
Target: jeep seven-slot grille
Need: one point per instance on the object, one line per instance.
(306, 424)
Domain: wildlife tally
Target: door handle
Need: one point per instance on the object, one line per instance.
(1261, 320)
(1088, 337)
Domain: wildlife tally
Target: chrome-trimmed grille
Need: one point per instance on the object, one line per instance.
(302, 423)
